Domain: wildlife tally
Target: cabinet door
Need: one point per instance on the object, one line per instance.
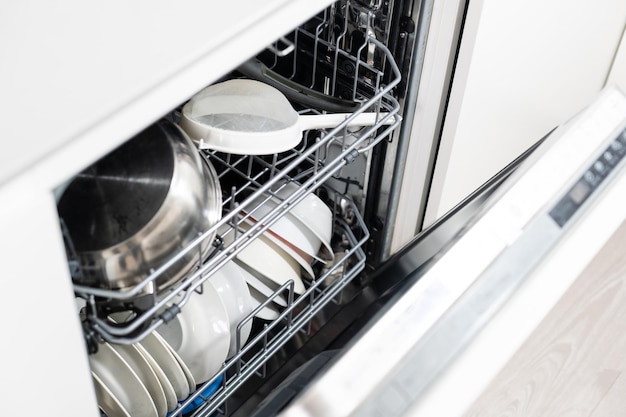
(519, 70)
(523, 67)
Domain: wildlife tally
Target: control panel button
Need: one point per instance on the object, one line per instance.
(618, 147)
(592, 178)
(609, 157)
(600, 167)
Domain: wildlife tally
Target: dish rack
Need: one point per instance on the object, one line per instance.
(364, 78)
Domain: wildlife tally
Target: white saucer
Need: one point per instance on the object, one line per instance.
(168, 363)
(191, 381)
(123, 383)
(166, 385)
(107, 401)
(146, 374)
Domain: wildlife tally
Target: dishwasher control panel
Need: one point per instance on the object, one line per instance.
(590, 181)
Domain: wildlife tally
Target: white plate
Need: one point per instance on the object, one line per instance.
(107, 401)
(166, 385)
(200, 333)
(122, 381)
(168, 363)
(231, 285)
(146, 374)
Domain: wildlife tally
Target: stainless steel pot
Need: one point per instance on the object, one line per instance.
(134, 209)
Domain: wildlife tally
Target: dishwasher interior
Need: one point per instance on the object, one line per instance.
(348, 60)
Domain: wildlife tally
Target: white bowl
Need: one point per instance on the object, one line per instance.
(269, 312)
(231, 285)
(299, 256)
(270, 261)
(289, 229)
(260, 287)
(306, 227)
(200, 333)
(122, 382)
(312, 212)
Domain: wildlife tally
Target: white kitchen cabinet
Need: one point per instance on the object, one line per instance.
(79, 78)
(523, 67)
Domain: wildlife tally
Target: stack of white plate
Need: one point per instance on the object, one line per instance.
(150, 378)
(205, 333)
(146, 379)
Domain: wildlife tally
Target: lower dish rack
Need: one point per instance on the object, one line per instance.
(296, 316)
(307, 167)
(349, 236)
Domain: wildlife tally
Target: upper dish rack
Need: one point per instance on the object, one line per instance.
(338, 72)
(320, 156)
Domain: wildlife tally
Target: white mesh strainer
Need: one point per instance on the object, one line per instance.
(249, 117)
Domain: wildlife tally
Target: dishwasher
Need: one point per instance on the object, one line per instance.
(336, 62)
(339, 60)
(354, 59)
(333, 164)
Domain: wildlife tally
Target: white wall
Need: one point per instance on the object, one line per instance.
(524, 67)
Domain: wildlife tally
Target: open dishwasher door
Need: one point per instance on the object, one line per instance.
(443, 340)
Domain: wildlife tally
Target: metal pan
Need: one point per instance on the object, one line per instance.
(137, 207)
